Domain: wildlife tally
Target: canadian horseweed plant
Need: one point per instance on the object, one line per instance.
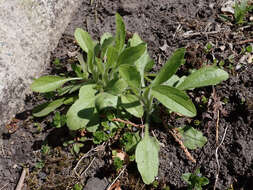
(114, 75)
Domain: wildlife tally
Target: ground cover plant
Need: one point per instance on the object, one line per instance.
(165, 26)
(115, 76)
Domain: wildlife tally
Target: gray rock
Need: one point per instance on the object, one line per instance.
(96, 184)
(29, 31)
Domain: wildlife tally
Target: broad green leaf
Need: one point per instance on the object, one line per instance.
(84, 40)
(147, 158)
(131, 75)
(83, 113)
(111, 57)
(170, 67)
(131, 54)
(105, 100)
(192, 138)
(116, 87)
(132, 105)
(144, 60)
(49, 83)
(210, 75)
(174, 99)
(46, 108)
(120, 33)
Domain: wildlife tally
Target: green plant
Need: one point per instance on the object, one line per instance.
(240, 11)
(195, 180)
(116, 76)
(77, 187)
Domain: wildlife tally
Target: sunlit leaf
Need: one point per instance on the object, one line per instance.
(192, 138)
(83, 113)
(210, 75)
(131, 75)
(120, 33)
(84, 40)
(49, 83)
(131, 54)
(170, 67)
(105, 100)
(174, 99)
(147, 158)
(46, 108)
(132, 104)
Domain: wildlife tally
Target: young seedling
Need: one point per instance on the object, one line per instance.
(195, 180)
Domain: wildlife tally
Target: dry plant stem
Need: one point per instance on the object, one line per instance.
(88, 167)
(21, 180)
(109, 188)
(127, 122)
(4, 186)
(173, 132)
(217, 127)
(245, 41)
(217, 159)
(84, 156)
(200, 33)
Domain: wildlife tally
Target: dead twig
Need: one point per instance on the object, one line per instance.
(217, 127)
(85, 156)
(187, 34)
(4, 186)
(245, 41)
(109, 188)
(21, 179)
(88, 167)
(128, 122)
(177, 138)
(173, 132)
(217, 159)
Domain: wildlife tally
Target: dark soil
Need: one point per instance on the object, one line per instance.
(165, 26)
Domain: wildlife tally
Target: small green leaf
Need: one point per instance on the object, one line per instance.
(120, 33)
(132, 105)
(147, 158)
(210, 75)
(46, 108)
(106, 44)
(144, 61)
(131, 55)
(49, 83)
(105, 100)
(83, 66)
(192, 138)
(84, 40)
(104, 37)
(82, 113)
(77, 187)
(116, 87)
(131, 75)
(174, 99)
(170, 67)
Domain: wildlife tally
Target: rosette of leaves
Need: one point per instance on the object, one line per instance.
(116, 75)
(97, 79)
